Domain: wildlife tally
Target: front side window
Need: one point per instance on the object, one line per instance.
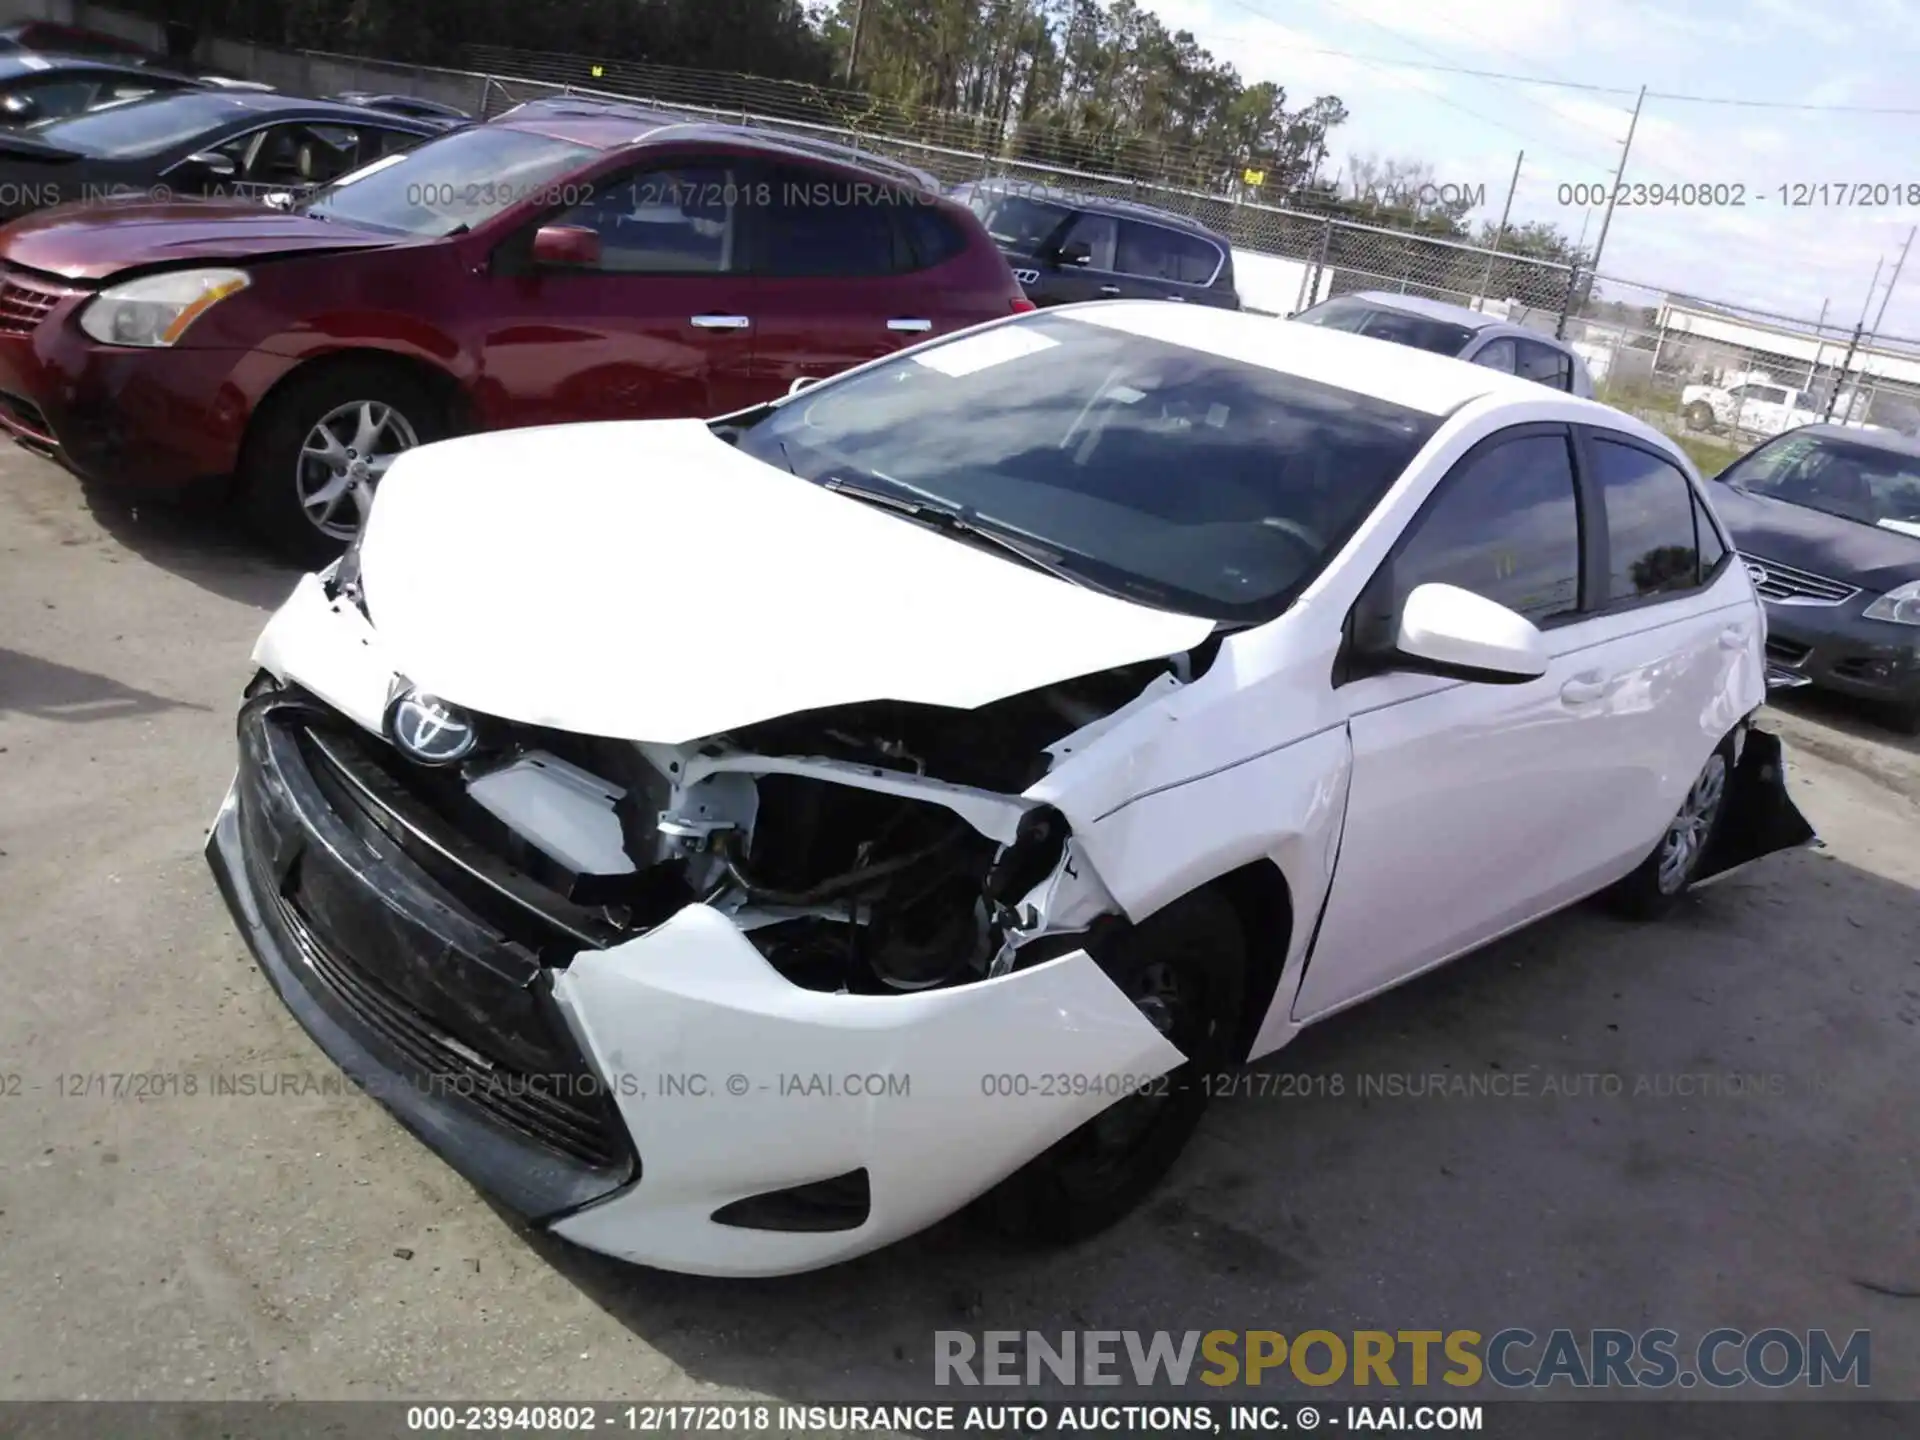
(680, 220)
(1839, 476)
(1172, 476)
(1496, 355)
(1543, 364)
(1017, 222)
(1098, 233)
(1505, 525)
(1651, 534)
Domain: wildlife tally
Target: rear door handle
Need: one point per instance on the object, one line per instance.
(1585, 689)
(721, 322)
(912, 327)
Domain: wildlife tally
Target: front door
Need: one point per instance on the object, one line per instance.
(660, 327)
(1470, 801)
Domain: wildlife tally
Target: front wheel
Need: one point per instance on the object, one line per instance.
(1185, 969)
(1665, 875)
(1699, 416)
(318, 448)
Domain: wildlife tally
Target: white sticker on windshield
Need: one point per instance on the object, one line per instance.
(1904, 527)
(385, 162)
(983, 351)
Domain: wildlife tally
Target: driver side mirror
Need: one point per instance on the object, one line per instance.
(1075, 252)
(566, 245)
(1444, 630)
(208, 165)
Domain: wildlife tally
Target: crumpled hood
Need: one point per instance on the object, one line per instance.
(646, 581)
(94, 241)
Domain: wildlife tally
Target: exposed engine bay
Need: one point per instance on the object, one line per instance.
(871, 848)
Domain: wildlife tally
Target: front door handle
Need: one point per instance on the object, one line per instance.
(1585, 689)
(720, 322)
(912, 327)
(1734, 637)
(1109, 289)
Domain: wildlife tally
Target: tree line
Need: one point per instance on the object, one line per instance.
(1094, 86)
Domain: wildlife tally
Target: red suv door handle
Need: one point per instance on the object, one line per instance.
(915, 327)
(1109, 289)
(720, 322)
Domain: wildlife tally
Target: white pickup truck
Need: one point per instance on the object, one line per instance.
(1761, 407)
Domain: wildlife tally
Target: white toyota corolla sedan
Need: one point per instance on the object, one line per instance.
(738, 845)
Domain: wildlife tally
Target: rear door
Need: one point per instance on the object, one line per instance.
(838, 280)
(660, 327)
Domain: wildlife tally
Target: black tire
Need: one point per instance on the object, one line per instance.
(271, 464)
(1094, 1176)
(1699, 416)
(1655, 887)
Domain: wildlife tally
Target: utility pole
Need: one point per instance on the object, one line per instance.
(1626, 148)
(1821, 331)
(1501, 234)
(853, 42)
(1898, 265)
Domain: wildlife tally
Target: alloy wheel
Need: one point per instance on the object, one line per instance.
(1687, 836)
(343, 458)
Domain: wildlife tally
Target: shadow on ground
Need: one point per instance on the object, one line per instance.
(49, 690)
(1858, 718)
(1590, 1123)
(198, 539)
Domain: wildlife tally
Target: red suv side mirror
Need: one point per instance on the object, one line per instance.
(566, 245)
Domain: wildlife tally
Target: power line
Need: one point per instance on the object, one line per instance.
(1551, 83)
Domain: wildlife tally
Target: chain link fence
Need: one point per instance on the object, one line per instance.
(1721, 377)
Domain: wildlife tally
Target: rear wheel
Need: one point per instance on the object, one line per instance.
(1664, 876)
(1185, 969)
(320, 445)
(1699, 416)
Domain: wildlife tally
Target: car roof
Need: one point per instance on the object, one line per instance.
(221, 104)
(1432, 309)
(1400, 374)
(614, 124)
(17, 63)
(1891, 441)
(1105, 205)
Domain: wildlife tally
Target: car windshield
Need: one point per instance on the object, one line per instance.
(1016, 221)
(1842, 477)
(1173, 476)
(138, 128)
(451, 183)
(1402, 327)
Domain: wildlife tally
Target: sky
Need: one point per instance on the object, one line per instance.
(1765, 252)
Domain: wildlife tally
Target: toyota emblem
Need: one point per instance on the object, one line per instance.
(428, 730)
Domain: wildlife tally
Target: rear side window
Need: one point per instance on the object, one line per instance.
(1543, 364)
(825, 223)
(1506, 525)
(1157, 253)
(1421, 332)
(1650, 510)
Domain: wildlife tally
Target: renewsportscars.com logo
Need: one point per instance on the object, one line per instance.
(1513, 1359)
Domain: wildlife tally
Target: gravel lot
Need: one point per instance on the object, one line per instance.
(189, 1246)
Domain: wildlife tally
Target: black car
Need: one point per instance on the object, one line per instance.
(47, 87)
(412, 105)
(1827, 518)
(196, 142)
(1064, 248)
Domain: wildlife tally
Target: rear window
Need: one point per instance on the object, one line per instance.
(142, 127)
(1381, 322)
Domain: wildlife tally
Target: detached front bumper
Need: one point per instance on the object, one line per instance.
(670, 1099)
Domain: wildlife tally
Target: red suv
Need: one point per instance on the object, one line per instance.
(569, 261)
